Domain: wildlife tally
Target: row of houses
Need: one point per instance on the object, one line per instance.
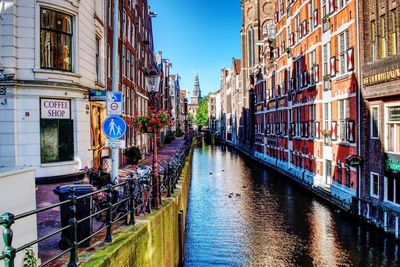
(52, 53)
(319, 99)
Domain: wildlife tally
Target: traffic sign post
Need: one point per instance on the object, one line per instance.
(114, 103)
(115, 143)
(114, 127)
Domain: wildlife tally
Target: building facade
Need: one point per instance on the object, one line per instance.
(380, 109)
(195, 98)
(52, 52)
(257, 15)
(136, 60)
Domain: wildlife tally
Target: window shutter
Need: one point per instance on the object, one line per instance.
(333, 66)
(315, 18)
(331, 6)
(350, 59)
(316, 73)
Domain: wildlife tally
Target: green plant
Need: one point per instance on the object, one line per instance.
(30, 259)
(133, 155)
(202, 113)
(169, 137)
(179, 132)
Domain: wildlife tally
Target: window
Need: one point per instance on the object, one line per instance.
(393, 20)
(297, 25)
(374, 122)
(133, 69)
(123, 61)
(344, 115)
(56, 131)
(124, 23)
(343, 46)
(312, 66)
(374, 185)
(250, 36)
(393, 129)
(383, 37)
(392, 189)
(128, 66)
(342, 3)
(311, 12)
(97, 60)
(109, 61)
(55, 40)
(339, 174)
(326, 55)
(373, 40)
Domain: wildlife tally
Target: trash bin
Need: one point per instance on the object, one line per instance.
(83, 207)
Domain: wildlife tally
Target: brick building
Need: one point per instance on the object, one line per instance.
(380, 113)
(136, 53)
(310, 116)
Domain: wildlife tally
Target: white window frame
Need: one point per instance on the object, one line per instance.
(386, 122)
(343, 54)
(371, 184)
(371, 122)
(385, 194)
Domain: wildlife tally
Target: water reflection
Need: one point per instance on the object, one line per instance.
(241, 215)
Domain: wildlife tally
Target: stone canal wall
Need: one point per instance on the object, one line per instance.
(155, 240)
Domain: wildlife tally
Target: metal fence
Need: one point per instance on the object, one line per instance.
(110, 207)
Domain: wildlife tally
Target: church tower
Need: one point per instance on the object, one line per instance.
(196, 90)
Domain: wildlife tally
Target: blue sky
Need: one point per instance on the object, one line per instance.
(198, 35)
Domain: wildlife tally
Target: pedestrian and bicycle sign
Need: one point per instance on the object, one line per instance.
(114, 127)
(114, 103)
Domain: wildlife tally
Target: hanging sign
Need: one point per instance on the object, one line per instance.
(114, 103)
(114, 127)
(354, 160)
(394, 113)
(55, 108)
(97, 95)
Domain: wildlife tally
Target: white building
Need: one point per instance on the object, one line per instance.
(51, 53)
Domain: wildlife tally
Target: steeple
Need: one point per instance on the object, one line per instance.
(196, 90)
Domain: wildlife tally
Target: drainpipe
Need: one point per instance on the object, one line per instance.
(358, 107)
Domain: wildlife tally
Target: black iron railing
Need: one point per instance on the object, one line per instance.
(110, 207)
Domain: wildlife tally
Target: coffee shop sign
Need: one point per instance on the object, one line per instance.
(55, 108)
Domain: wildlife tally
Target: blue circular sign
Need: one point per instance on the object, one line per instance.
(114, 127)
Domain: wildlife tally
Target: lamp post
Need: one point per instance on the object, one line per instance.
(152, 84)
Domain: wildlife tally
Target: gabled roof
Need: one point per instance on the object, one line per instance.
(237, 66)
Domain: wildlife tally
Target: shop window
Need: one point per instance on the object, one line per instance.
(374, 184)
(374, 122)
(55, 40)
(56, 140)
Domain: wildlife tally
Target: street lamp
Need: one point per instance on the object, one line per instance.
(152, 85)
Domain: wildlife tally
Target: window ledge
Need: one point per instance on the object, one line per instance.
(57, 72)
(341, 77)
(56, 164)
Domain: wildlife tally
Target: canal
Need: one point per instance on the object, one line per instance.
(240, 214)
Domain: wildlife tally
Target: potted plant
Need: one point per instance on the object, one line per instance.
(133, 155)
(326, 133)
(152, 122)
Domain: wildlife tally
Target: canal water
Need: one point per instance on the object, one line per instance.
(240, 214)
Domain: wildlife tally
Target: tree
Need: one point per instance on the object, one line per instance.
(202, 113)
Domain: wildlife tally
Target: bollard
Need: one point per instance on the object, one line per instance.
(108, 238)
(7, 220)
(131, 201)
(73, 257)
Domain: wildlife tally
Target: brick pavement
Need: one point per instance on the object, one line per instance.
(49, 221)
